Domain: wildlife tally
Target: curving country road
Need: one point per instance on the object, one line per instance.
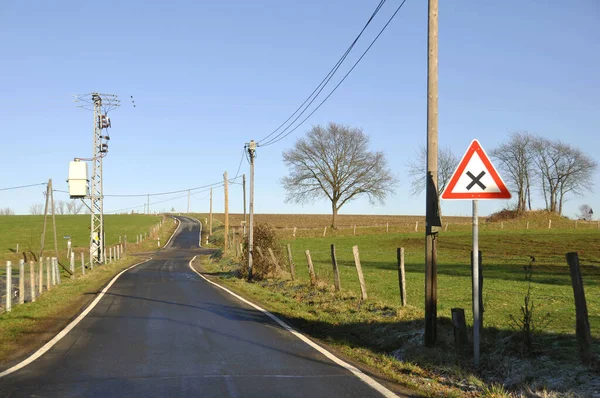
(161, 330)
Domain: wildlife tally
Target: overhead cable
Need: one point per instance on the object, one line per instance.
(312, 97)
(281, 136)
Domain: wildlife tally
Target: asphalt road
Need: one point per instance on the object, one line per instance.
(162, 331)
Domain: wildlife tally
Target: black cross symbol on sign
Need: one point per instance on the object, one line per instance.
(476, 180)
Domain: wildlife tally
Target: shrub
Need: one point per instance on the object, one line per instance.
(262, 267)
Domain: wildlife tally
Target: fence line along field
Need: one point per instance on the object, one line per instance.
(313, 225)
(26, 231)
(544, 354)
(507, 247)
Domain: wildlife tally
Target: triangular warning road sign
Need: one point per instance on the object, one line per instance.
(476, 178)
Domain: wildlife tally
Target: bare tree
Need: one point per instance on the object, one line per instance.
(77, 206)
(562, 170)
(586, 212)
(417, 169)
(74, 206)
(334, 162)
(59, 207)
(7, 211)
(36, 208)
(514, 158)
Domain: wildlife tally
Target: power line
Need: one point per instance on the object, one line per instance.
(152, 203)
(23, 186)
(240, 165)
(281, 136)
(326, 79)
(167, 193)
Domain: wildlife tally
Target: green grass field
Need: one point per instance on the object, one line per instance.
(369, 332)
(26, 231)
(504, 253)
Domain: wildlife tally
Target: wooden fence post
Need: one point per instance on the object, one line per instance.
(549, 224)
(9, 292)
(294, 233)
(58, 280)
(582, 323)
(354, 229)
(311, 269)
(480, 268)
(361, 278)
(336, 271)
(53, 271)
(401, 275)
(387, 227)
(324, 231)
(527, 224)
(41, 276)
(260, 252)
(291, 262)
(460, 327)
(32, 280)
(417, 226)
(58, 276)
(21, 281)
(72, 265)
(274, 260)
(48, 271)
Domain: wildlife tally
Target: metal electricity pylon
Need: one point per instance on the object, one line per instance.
(101, 104)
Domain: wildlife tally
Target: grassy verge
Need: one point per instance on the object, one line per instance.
(384, 336)
(28, 326)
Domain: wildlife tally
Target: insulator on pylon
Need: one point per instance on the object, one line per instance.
(104, 122)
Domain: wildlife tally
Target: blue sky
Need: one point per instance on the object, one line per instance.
(207, 77)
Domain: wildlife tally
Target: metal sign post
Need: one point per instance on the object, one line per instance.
(476, 287)
(476, 178)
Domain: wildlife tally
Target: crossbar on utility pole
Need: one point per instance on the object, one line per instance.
(432, 208)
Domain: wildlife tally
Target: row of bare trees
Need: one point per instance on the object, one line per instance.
(334, 162)
(555, 168)
(527, 162)
(60, 207)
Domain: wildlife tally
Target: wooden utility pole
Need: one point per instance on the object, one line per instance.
(53, 218)
(226, 237)
(148, 205)
(244, 192)
(251, 153)
(48, 187)
(432, 207)
(210, 215)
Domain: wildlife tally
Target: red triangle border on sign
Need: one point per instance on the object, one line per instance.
(475, 147)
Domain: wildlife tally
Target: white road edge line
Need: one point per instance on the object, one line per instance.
(173, 235)
(357, 372)
(69, 327)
